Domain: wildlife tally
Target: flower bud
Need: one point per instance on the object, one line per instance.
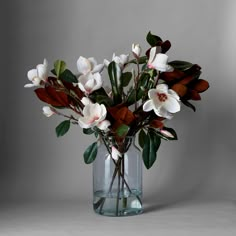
(48, 111)
(136, 49)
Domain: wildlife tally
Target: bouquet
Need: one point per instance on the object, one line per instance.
(145, 91)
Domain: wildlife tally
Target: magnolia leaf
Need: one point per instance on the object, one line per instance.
(122, 130)
(201, 85)
(88, 131)
(59, 67)
(114, 72)
(188, 104)
(90, 153)
(44, 96)
(172, 132)
(141, 138)
(63, 128)
(68, 76)
(180, 89)
(181, 65)
(153, 39)
(125, 78)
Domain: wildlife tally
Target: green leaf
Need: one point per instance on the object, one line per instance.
(114, 75)
(172, 131)
(90, 153)
(88, 131)
(68, 76)
(53, 71)
(151, 145)
(125, 78)
(188, 104)
(122, 130)
(59, 67)
(63, 128)
(181, 65)
(153, 39)
(141, 138)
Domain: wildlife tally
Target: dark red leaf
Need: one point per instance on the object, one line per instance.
(43, 96)
(194, 95)
(180, 89)
(200, 85)
(156, 124)
(58, 96)
(172, 76)
(165, 46)
(186, 80)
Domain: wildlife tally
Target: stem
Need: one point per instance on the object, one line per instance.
(118, 190)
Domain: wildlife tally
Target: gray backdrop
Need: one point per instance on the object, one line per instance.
(35, 165)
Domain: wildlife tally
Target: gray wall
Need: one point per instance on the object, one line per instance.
(35, 165)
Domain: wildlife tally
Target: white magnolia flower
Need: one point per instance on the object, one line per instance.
(115, 154)
(120, 60)
(158, 61)
(163, 101)
(136, 49)
(94, 115)
(90, 82)
(48, 111)
(85, 65)
(37, 75)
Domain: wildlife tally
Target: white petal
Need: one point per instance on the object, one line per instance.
(124, 58)
(29, 85)
(42, 71)
(89, 85)
(96, 109)
(152, 93)
(171, 105)
(152, 55)
(98, 68)
(98, 81)
(31, 74)
(106, 62)
(104, 125)
(86, 101)
(103, 111)
(86, 110)
(36, 81)
(82, 88)
(93, 62)
(148, 106)
(173, 94)
(47, 111)
(162, 112)
(83, 65)
(162, 88)
(83, 122)
(45, 62)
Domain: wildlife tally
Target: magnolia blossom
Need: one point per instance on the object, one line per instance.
(158, 61)
(136, 49)
(163, 101)
(115, 154)
(94, 115)
(90, 82)
(37, 75)
(120, 60)
(85, 65)
(48, 111)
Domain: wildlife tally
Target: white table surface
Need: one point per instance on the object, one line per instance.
(77, 218)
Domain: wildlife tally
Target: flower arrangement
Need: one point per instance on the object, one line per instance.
(145, 91)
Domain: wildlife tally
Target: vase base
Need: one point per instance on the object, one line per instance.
(111, 205)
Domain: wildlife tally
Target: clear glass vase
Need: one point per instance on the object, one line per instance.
(117, 184)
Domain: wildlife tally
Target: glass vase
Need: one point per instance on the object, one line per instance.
(117, 183)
